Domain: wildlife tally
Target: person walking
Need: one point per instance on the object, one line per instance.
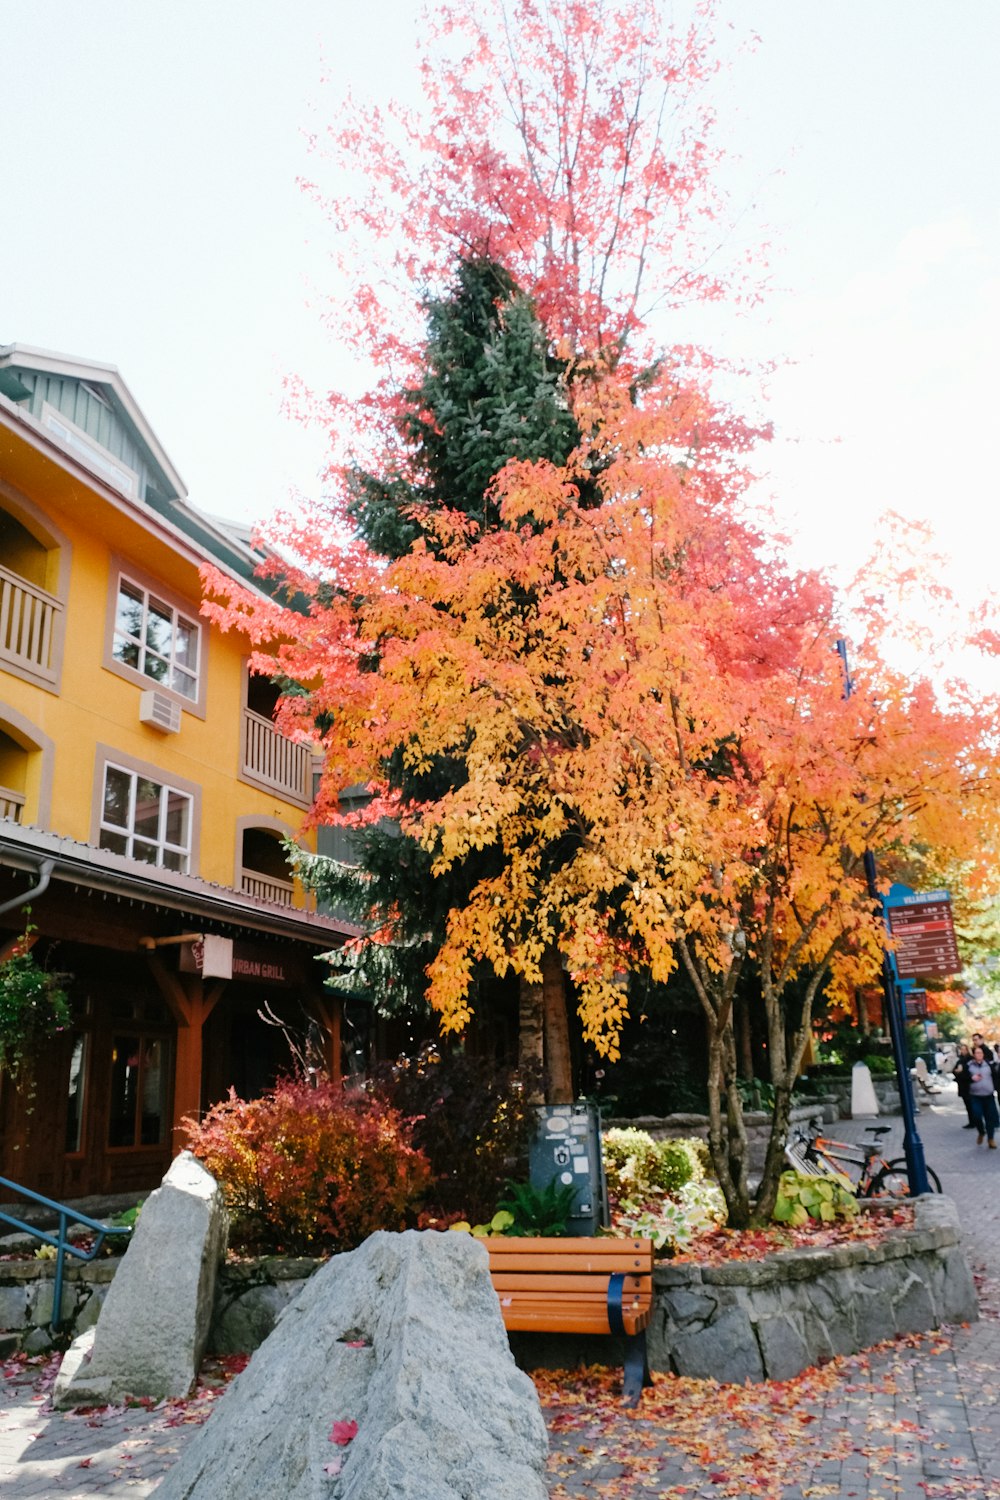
(982, 1096)
(977, 1041)
(960, 1070)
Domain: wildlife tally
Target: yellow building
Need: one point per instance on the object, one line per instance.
(144, 794)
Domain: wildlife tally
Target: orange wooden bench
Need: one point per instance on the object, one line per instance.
(578, 1286)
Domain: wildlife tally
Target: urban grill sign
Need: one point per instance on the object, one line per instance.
(924, 935)
(222, 958)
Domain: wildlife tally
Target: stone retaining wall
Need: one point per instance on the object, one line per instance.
(748, 1320)
(249, 1296)
(769, 1319)
(838, 1088)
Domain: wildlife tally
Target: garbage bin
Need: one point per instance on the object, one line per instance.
(567, 1147)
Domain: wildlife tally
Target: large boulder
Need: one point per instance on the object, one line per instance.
(402, 1337)
(151, 1334)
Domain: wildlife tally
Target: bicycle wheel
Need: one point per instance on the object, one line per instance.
(893, 1181)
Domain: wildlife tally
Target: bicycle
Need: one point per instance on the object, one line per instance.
(810, 1152)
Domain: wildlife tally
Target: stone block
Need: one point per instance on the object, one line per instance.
(726, 1350)
(13, 1306)
(403, 1337)
(955, 1291)
(685, 1306)
(873, 1307)
(685, 1274)
(153, 1327)
(785, 1352)
(913, 1306)
(243, 1322)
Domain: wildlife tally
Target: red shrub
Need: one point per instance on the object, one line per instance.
(306, 1170)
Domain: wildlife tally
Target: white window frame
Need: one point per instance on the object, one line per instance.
(161, 843)
(174, 670)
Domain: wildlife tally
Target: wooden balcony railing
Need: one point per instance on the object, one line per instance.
(275, 762)
(28, 617)
(267, 888)
(11, 804)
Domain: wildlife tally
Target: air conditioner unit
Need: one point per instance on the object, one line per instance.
(159, 712)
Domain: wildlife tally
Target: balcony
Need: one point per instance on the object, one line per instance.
(28, 619)
(270, 760)
(267, 888)
(11, 804)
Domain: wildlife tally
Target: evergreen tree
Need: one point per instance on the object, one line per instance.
(490, 391)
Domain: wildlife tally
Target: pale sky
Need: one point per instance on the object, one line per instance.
(152, 221)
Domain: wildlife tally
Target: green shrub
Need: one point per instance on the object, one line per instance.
(541, 1211)
(33, 1007)
(701, 1154)
(471, 1120)
(630, 1158)
(676, 1164)
(306, 1170)
(802, 1197)
(635, 1164)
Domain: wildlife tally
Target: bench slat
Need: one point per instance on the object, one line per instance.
(567, 1317)
(594, 1249)
(562, 1260)
(555, 1284)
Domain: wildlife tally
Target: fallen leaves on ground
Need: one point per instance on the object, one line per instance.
(722, 1246)
(848, 1428)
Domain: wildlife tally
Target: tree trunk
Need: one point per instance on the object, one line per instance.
(558, 1063)
(786, 1045)
(774, 1161)
(727, 1139)
(531, 1040)
(742, 1008)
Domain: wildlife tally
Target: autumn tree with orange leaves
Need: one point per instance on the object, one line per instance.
(639, 699)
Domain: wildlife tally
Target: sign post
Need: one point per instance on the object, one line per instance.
(913, 1146)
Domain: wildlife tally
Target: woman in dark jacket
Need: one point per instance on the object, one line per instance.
(982, 1097)
(961, 1072)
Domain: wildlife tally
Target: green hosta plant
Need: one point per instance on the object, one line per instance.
(674, 1222)
(802, 1197)
(33, 1007)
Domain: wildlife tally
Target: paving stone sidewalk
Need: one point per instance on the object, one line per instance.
(916, 1420)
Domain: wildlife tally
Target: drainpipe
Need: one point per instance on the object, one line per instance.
(44, 871)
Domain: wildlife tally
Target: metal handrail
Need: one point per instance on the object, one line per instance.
(60, 1241)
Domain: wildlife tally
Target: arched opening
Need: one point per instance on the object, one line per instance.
(264, 871)
(33, 581)
(13, 777)
(23, 554)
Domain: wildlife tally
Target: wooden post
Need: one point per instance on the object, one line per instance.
(328, 1013)
(190, 1004)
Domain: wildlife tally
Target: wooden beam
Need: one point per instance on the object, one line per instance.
(329, 1010)
(189, 1006)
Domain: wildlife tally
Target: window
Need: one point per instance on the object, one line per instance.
(75, 1099)
(145, 819)
(155, 639)
(138, 1091)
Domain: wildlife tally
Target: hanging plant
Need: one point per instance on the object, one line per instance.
(34, 1006)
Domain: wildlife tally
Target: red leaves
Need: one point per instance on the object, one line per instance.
(310, 1169)
(343, 1433)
